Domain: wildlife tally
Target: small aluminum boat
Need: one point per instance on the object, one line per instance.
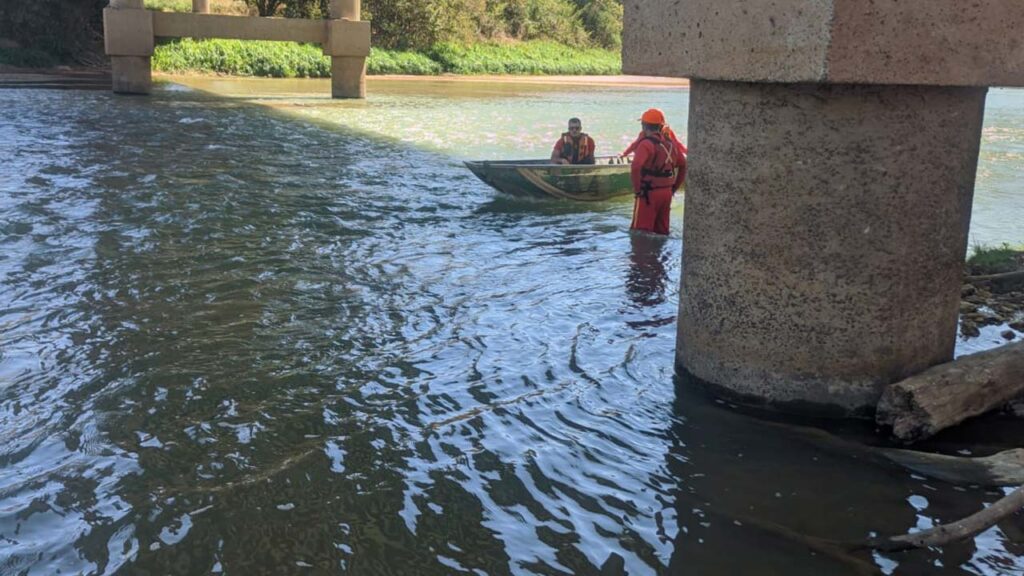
(607, 178)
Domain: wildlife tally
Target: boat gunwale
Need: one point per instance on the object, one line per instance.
(546, 164)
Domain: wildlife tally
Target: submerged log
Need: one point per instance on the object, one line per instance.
(948, 394)
(1002, 469)
(1000, 282)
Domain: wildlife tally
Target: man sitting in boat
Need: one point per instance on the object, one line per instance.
(658, 170)
(574, 147)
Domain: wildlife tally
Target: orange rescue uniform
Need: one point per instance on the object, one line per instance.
(658, 170)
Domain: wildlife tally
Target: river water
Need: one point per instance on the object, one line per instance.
(261, 332)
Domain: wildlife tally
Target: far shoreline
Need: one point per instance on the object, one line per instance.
(12, 77)
(616, 80)
(611, 80)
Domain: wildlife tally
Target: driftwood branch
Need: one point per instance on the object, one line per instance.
(941, 535)
(948, 394)
(955, 531)
(995, 470)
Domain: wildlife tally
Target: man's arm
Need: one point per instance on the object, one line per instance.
(681, 173)
(556, 154)
(640, 159)
(632, 147)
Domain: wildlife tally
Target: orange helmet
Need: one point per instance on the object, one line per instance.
(653, 116)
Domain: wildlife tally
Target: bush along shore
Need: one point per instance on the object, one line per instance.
(293, 60)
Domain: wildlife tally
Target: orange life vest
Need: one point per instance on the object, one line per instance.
(575, 150)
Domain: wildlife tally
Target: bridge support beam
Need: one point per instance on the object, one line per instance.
(348, 45)
(130, 30)
(833, 148)
(128, 41)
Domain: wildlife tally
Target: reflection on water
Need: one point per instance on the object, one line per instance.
(245, 341)
(646, 280)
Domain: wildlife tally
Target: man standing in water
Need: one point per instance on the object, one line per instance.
(574, 147)
(658, 170)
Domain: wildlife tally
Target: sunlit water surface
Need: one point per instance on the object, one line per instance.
(267, 333)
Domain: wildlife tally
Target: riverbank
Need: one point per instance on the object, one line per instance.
(60, 78)
(993, 293)
(98, 79)
(623, 80)
(619, 80)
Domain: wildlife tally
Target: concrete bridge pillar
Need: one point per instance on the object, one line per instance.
(129, 42)
(348, 44)
(833, 150)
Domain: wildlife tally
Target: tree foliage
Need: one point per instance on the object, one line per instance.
(603, 21)
(72, 29)
(307, 9)
(419, 24)
(266, 7)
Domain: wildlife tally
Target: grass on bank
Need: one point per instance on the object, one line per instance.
(996, 259)
(537, 57)
(293, 60)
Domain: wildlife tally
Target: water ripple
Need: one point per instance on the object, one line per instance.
(250, 341)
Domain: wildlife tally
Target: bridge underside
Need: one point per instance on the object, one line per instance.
(833, 155)
(130, 32)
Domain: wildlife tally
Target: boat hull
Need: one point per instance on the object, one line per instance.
(542, 179)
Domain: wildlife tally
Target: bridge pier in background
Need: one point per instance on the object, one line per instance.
(128, 40)
(348, 45)
(130, 31)
(833, 151)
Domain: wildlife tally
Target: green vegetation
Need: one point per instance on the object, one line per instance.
(396, 62)
(420, 24)
(291, 60)
(996, 259)
(240, 58)
(538, 57)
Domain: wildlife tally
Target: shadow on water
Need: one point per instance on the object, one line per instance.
(264, 353)
(767, 483)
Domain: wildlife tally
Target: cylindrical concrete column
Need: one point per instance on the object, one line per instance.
(201, 6)
(131, 74)
(348, 9)
(348, 77)
(824, 236)
(348, 73)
